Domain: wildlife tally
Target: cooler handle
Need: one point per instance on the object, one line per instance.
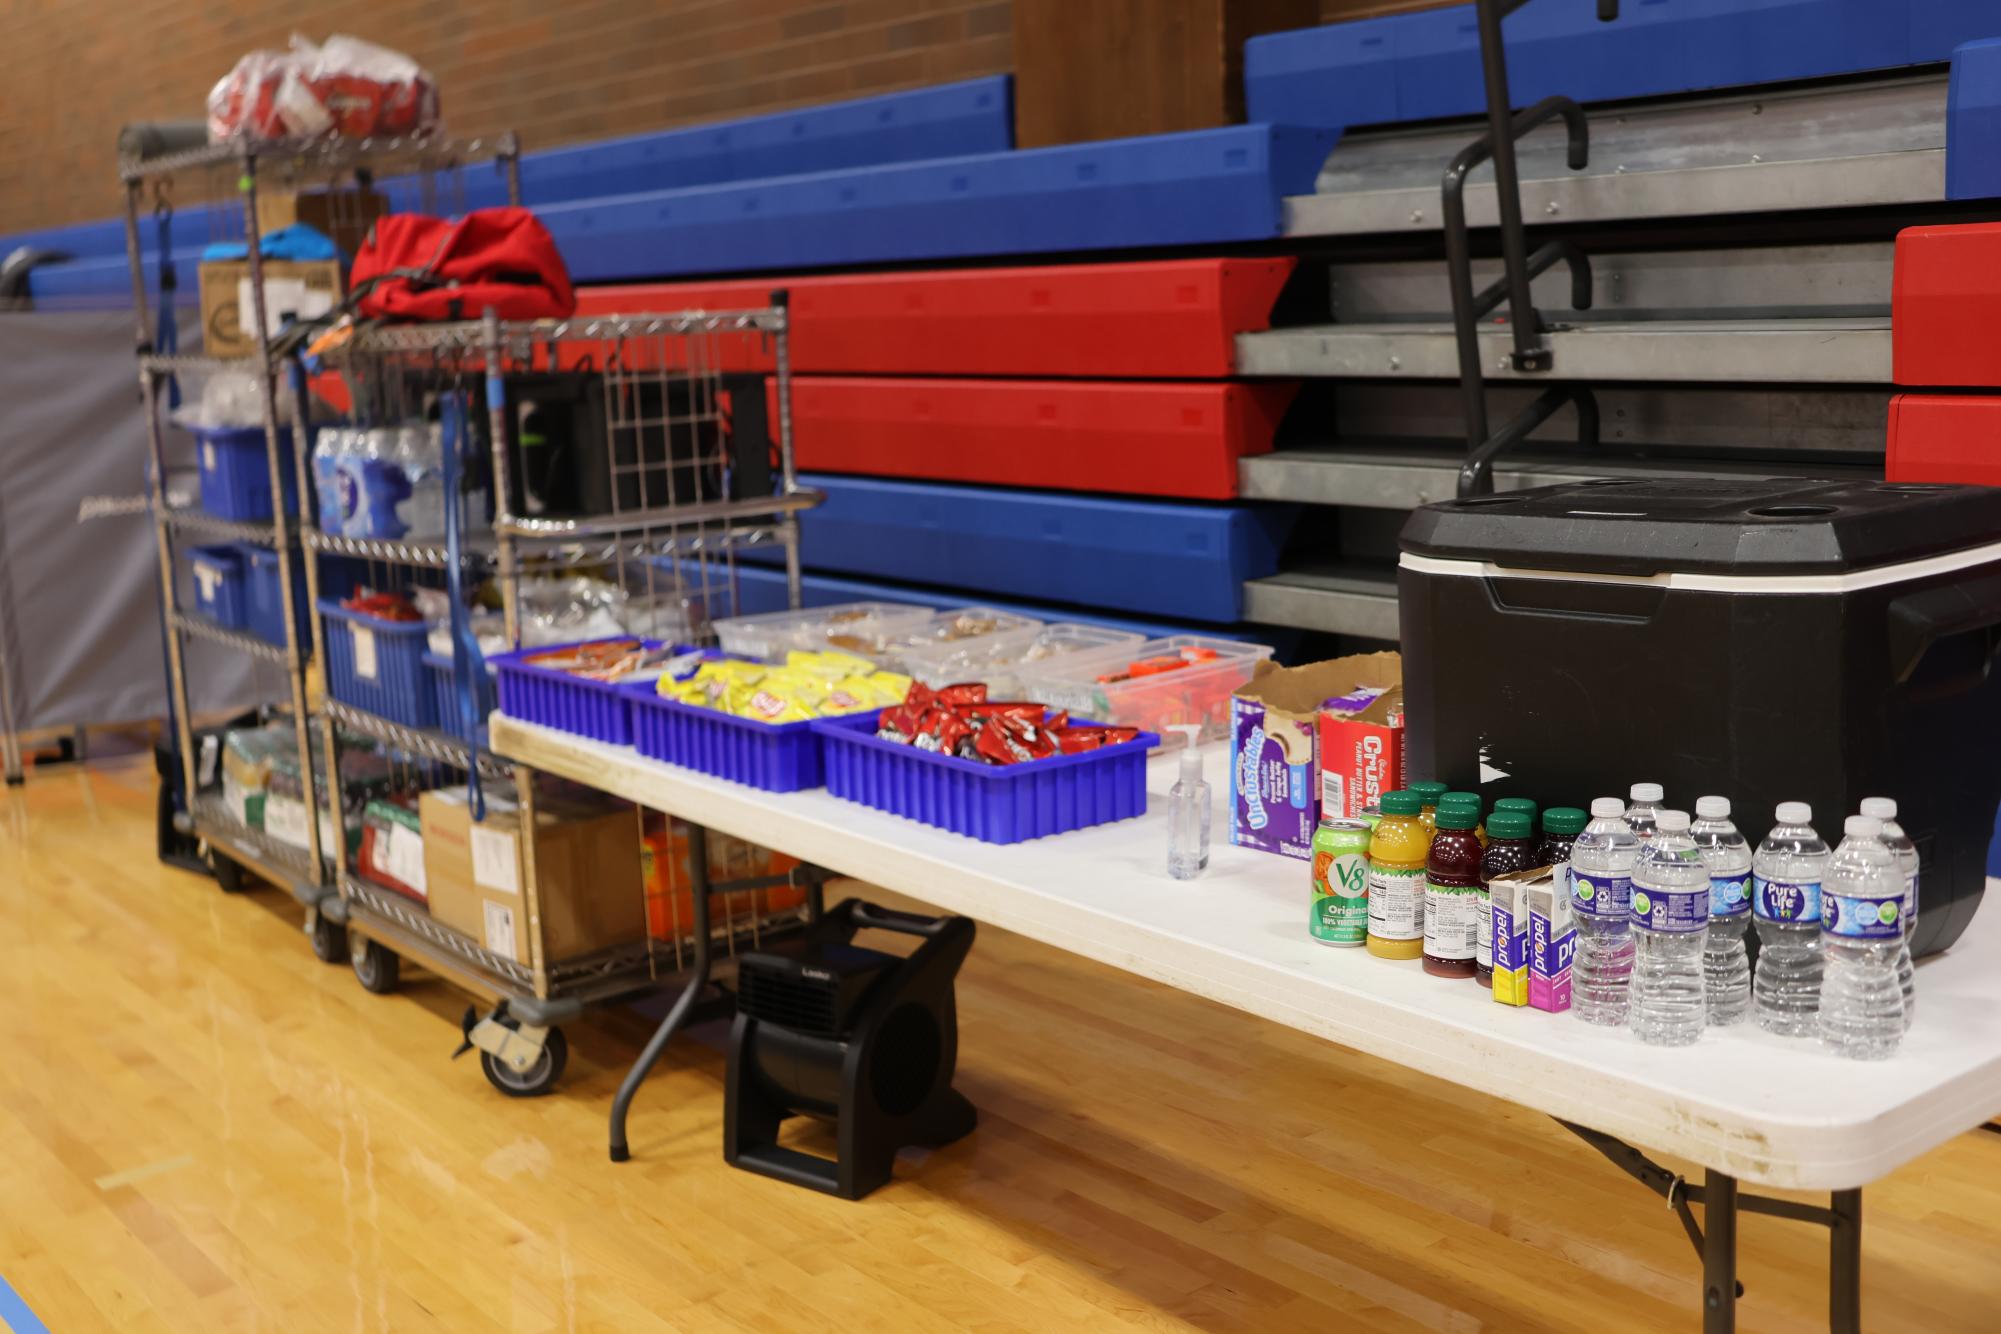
(1919, 620)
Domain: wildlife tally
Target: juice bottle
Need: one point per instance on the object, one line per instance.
(1468, 799)
(1427, 799)
(1560, 827)
(1512, 847)
(1452, 892)
(1526, 805)
(1397, 852)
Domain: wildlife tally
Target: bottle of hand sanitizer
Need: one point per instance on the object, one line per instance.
(1188, 814)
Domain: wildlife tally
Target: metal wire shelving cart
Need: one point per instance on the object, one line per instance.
(220, 185)
(695, 472)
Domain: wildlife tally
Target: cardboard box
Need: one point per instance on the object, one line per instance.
(1362, 737)
(586, 864)
(342, 216)
(1277, 735)
(291, 287)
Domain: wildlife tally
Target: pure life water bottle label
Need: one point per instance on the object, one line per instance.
(1600, 895)
(1863, 918)
(1787, 900)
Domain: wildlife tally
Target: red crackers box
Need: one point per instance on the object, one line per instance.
(1361, 737)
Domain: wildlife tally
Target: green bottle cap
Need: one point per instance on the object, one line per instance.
(1564, 820)
(1509, 824)
(1462, 799)
(1526, 805)
(1458, 815)
(1400, 803)
(1428, 793)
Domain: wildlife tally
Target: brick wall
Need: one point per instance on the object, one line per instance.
(555, 70)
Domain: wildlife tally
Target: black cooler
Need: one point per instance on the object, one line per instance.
(1765, 640)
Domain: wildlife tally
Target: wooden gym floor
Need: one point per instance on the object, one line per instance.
(207, 1129)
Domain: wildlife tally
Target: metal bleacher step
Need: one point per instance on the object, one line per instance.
(1857, 143)
(1338, 597)
(1785, 350)
(1403, 474)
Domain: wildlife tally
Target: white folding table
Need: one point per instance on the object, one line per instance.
(1750, 1107)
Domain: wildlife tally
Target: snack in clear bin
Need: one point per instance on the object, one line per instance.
(601, 660)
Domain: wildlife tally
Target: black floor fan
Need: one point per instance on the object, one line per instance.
(855, 1036)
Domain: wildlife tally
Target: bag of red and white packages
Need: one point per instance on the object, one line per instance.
(343, 87)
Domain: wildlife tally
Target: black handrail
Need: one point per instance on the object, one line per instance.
(1476, 475)
(1531, 355)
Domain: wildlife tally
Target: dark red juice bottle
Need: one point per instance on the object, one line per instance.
(1452, 893)
(1560, 827)
(1511, 846)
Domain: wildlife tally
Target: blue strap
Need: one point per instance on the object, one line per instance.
(468, 664)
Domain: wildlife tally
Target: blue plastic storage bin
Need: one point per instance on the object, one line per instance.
(777, 757)
(378, 665)
(264, 597)
(235, 477)
(445, 691)
(218, 579)
(599, 710)
(993, 803)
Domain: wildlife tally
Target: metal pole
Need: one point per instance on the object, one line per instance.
(1530, 355)
(1465, 318)
(510, 159)
(1719, 1253)
(781, 352)
(1844, 1263)
(308, 522)
(281, 529)
(136, 258)
(177, 683)
(698, 884)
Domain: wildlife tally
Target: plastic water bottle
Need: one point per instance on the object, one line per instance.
(1726, 966)
(329, 444)
(1670, 911)
(1861, 922)
(1188, 816)
(1786, 875)
(1906, 852)
(422, 512)
(1601, 883)
(1643, 808)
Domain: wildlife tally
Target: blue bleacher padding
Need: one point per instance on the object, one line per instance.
(1196, 188)
(1152, 558)
(1973, 122)
(1332, 75)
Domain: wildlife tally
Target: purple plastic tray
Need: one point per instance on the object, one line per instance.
(777, 757)
(993, 803)
(600, 710)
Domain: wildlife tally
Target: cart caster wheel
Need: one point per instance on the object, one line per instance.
(329, 940)
(229, 877)
(538, 1078)
(377, 969)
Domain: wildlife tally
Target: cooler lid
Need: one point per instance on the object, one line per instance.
(1771, 526)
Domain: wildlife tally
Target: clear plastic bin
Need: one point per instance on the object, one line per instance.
(961, 630)
(855, 627)
(1101, 685)
(999, 660)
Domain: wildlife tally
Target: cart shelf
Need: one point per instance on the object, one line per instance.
(418, 742)
(281, 863)
(202, 627)
(426, 152)
(192, 519)
(161, 363)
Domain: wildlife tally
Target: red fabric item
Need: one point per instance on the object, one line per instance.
(434, 269)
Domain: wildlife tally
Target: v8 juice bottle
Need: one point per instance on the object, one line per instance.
(1510, 848)
(1397, 854)
(1427, 800)
(1452, 894)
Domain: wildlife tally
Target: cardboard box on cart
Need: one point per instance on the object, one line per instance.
(586, 865)
(1282, 723)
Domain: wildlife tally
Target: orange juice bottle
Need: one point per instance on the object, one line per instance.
(1427, 800)
(1397, 854)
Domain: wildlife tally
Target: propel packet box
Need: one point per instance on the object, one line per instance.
(1277, 729)
(1552, 939)
(1509, 898)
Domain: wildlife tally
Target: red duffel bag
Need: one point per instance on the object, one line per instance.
(416, 267)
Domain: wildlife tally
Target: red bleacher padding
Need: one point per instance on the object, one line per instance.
(1151, 439)
(1946, 306)
(1944, 438)
(1171, 319)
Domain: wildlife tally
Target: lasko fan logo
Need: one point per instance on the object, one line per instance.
(1247, 778)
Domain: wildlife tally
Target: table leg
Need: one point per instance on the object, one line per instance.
(1719, 1253)
(1844, 1263)
(698, 886)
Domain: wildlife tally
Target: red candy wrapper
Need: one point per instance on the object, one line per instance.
(959, 720)
(973, 692)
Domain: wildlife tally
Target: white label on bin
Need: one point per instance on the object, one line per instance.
(364, 653)
(207, 578)
(207, 456)
(285, 820)
(500, 929)
(493, 860)
(211, 755)
(404, 858)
